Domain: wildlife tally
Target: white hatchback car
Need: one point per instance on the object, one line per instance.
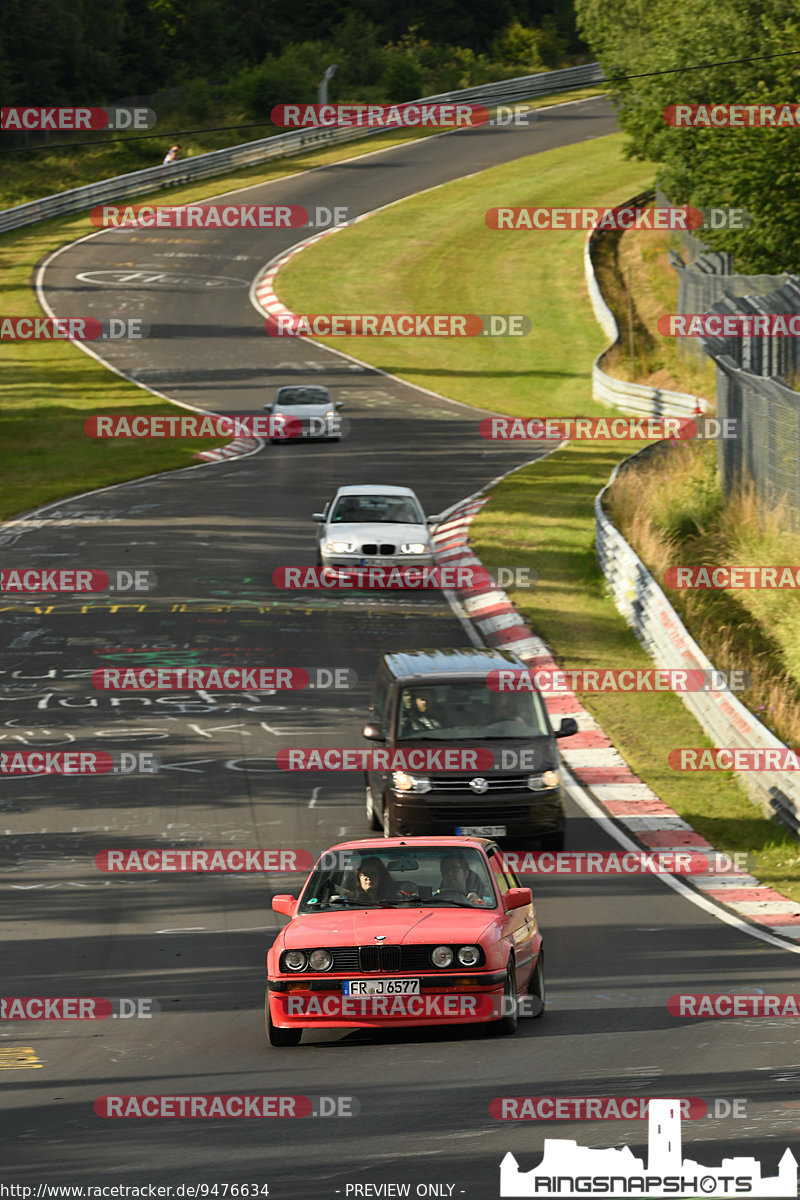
(374, 525)
(310, 405)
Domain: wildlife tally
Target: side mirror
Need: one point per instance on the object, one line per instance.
(318, 517)
(374, 732)
(434, 520)
(567, 728)
(284, 904)
(513, 898)
(269, 407)
(339, 404)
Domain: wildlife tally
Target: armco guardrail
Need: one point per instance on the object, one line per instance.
(634, 398)
(219, 162)
(659, 628)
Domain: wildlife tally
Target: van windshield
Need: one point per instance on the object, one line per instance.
(468, 709)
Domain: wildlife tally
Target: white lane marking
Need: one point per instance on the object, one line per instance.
(312, 802)
(584, 801)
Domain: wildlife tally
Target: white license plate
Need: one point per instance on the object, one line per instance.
(481, 830)
(379, 562)
(380, 987)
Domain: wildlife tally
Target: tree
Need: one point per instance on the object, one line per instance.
(754, 168)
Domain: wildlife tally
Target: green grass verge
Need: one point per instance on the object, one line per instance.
(47, 389)
(434, 254)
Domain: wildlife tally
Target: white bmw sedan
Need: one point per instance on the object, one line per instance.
(307, 411)
(374, 525)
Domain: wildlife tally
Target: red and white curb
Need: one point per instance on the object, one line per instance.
(592, 759)
(263, 290)
(234, 449)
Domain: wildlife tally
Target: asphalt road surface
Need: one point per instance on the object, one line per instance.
(195, 944)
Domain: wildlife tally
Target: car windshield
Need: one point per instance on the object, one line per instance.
(384, 510)
(468, 709)
(440, 877)
(301, 395)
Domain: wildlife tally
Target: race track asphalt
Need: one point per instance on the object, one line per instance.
(616, 949)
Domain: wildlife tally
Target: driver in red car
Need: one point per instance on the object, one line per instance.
(457, 877)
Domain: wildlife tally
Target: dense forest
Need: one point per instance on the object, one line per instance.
(85, 52)
(665, 54)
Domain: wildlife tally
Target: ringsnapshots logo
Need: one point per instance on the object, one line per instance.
(77, 762)
(568, 1170)
(380, 116)
(458, 325)
(586, 429)
(557, 681)
(76, 580)
(383, 578)
(200, 1107)
(194, 861)
(223, 679)
(217, 216)
(732, 116)
(71, 329)
(76, 119)
(76, 1008)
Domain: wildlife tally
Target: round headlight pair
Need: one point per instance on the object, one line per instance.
(317, 960)
(443, 956)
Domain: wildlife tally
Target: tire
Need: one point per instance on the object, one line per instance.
(373, 820)
(279, 1037)
(536, 987)
(510, 1020)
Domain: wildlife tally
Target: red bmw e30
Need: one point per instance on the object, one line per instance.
(391, 932)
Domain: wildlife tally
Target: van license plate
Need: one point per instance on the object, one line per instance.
(481, 830)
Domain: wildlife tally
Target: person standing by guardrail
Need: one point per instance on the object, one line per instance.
(171, 155)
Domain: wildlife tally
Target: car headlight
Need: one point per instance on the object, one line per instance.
(538, 783)
(414, 548)
(442, 956)
(469, 956)
(320, 960)
(330, 415)
(403, 782)
(340, 547)
(295, 960)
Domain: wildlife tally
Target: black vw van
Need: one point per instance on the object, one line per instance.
(440, 700)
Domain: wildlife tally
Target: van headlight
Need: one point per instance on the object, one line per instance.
(403, 782)
(539, 783)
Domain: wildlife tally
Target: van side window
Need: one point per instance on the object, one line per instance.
(382, 696)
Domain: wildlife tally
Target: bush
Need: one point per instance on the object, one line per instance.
(402, 79)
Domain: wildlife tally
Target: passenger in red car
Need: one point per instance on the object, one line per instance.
(374, 883)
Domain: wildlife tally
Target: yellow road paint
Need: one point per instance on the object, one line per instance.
(18, 1058)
